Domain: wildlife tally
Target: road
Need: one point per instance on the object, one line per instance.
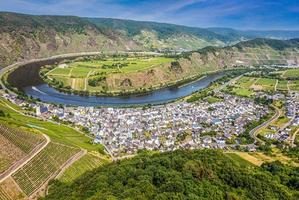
(253, 133)
(294, 137)
(20, 163)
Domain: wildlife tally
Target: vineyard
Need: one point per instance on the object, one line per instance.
(15, 144)
(4, 195)
(84, 164)
(40, 169)
(23, 140)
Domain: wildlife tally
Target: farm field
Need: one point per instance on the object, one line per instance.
(15, 144)
(247, 86)
(291, 73)
(76, 74)
(258, 158)
(265, 84)
(86, 163)
(10, 191)
(40, 168)
(282, 85)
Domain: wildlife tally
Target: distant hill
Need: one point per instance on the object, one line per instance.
(28, 36)
(251, 34)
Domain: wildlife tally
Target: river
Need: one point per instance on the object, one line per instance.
(48, 94)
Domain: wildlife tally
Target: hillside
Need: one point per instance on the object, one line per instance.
(193, 64)
(200, 174)
(164, 36)
(13, 149)
(103, 75)
(29, 36)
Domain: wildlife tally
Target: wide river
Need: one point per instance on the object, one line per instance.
(165, 95)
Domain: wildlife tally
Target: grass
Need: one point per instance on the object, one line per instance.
(211, 99)
(266, 83)
(291, 73)
(87, 163)
(282, 85)
(294, 85)
(245, 82)
(243, 92)
(235, 156)
(42, 166)
(250, 158)
(58, 133)
(60, 71)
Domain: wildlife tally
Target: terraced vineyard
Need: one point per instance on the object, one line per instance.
(84, 164)
(4, 195)
(38, 170)
(15, 144)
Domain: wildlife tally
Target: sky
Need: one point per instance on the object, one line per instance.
(239, 14)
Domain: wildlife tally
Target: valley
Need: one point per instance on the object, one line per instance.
(113, 109)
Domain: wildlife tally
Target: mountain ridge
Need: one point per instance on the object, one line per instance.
(25, 36)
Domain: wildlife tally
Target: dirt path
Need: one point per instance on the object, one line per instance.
(70, 73)
(294, 137)
(73, 84)
(288, 86)
(86, 80)
(17, 165)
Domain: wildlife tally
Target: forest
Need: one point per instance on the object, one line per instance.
(182, 174)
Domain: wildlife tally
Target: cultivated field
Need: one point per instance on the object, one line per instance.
(247, 86)
(258, 158)
(291, 73)
(15, 144)
(86, 163)
(39, 169)
(77, 75)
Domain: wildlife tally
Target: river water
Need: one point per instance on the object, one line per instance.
(48, 94)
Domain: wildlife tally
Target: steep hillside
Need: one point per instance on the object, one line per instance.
(26, 36)
(29, 36)
(196, 63)
(253, 52)
(200, 174)
(162, 36)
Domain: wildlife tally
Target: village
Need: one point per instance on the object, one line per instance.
(124, 131)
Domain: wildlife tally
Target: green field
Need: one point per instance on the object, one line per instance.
(243, 92)
(212, 99)
(42, 166)
(246, 86)
(282, 85)
(291, 73)
(266, 83)
(57, 132)
(86, 163)
(76, 75)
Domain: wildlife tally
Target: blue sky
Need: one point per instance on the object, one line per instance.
(241, 14)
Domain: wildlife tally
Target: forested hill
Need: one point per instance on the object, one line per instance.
(183, 174)
(30, 36)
